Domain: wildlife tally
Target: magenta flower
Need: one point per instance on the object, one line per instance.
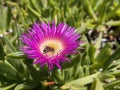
(50, 44)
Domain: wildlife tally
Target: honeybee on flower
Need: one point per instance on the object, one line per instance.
(50, 44)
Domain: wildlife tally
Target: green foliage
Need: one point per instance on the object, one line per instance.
(2, 51)
(95, 67)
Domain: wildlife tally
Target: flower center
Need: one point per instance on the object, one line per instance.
(51, 47)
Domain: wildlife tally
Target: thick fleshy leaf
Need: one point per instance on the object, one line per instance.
(9, 44)
(59, 75)
(97, 85)
(16, 55)
(18, 65)
(9, 71)
(8, 19)
(91, 53)
(81, 81)
(23, 87)
(72, 63)
(99, 41)
(104, 53)
(8, 87)
(102, 57)
(1, 51)
(112, 84)
(113, 57)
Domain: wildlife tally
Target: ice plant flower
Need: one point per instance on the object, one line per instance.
(50, 44)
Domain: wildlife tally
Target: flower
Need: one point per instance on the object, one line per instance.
(50, 44)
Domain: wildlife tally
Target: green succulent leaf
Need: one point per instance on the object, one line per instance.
(102, 57)
(73, 62)
(9, 71)
(2, 56)
(9, 44)
(23, 87)
(8, 87)
(113, 57)
(98, 42)
(82, 81)
(97, 85)
(91, 53)
(16, 55)
(112, 84)
(8, 19)
(104, 53)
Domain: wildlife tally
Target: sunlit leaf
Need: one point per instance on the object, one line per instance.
(81, 81)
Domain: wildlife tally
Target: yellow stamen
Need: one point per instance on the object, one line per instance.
(51, 47)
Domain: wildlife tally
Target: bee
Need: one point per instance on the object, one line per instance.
(48, 49)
